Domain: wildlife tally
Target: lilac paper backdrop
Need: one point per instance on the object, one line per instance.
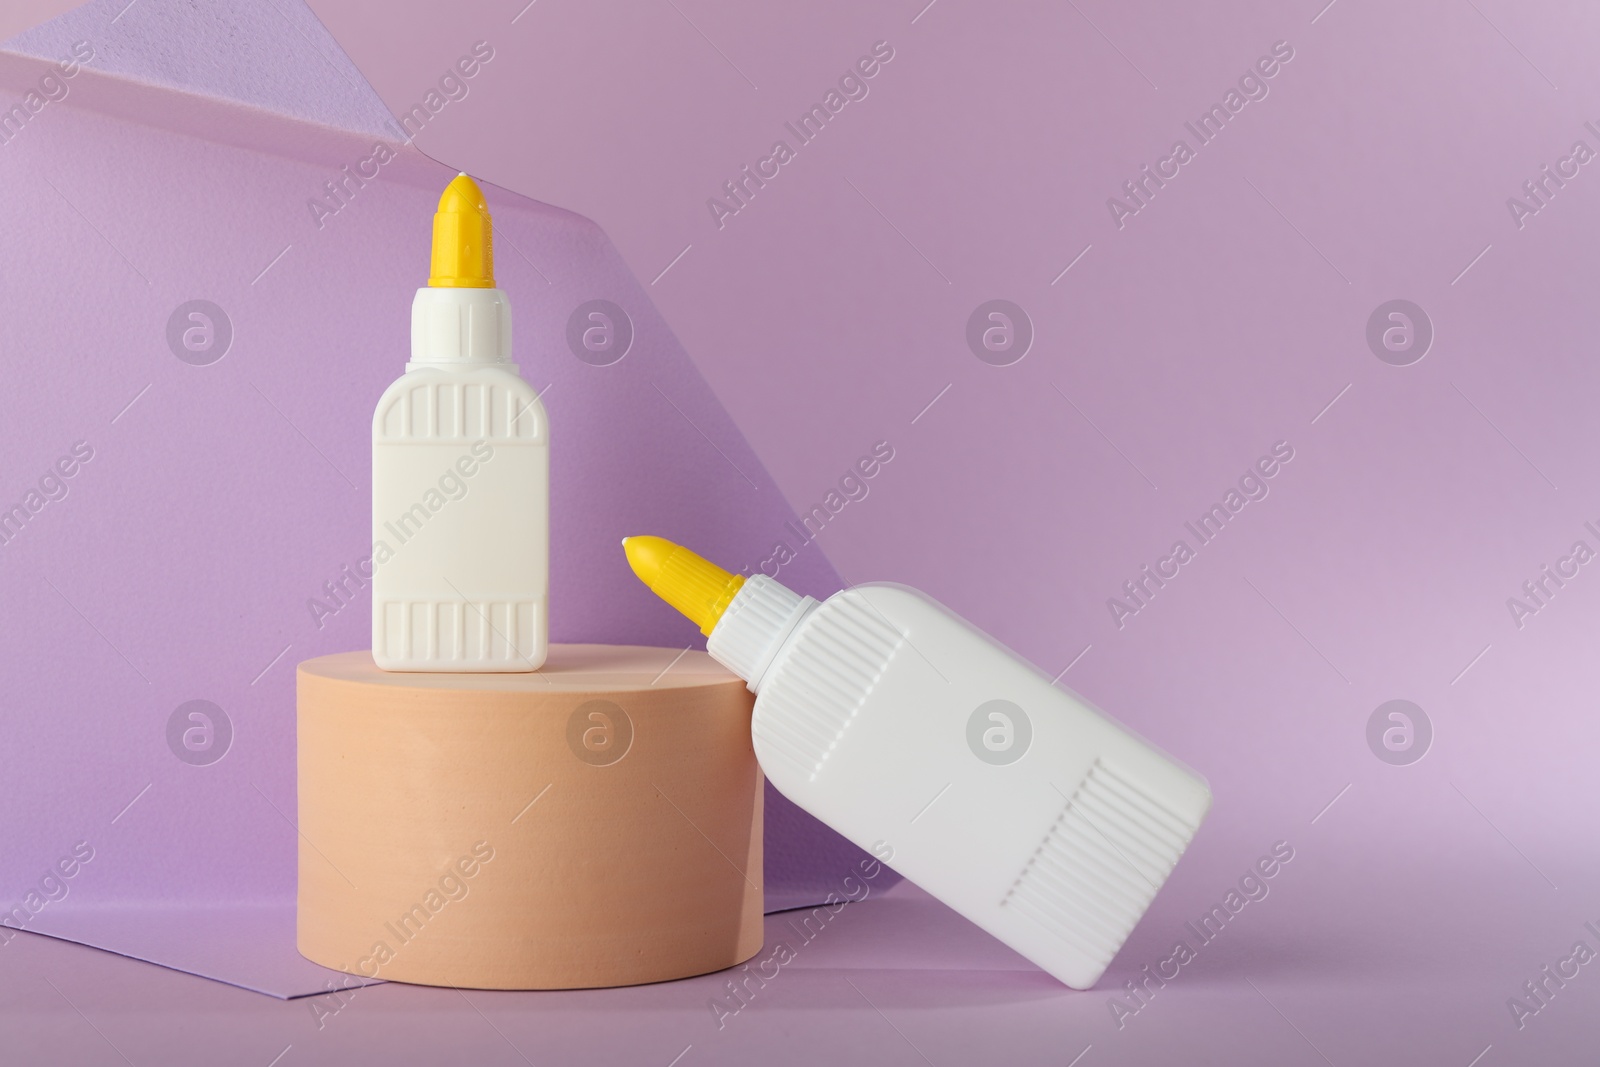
(1169, 353)
(1237, 307)
(1178, 336)
(223, 488)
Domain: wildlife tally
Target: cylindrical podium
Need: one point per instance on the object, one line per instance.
(594, 823)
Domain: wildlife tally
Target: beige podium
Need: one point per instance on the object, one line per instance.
(594, 823)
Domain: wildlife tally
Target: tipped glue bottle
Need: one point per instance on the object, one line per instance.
(959, 764)
(460, 474)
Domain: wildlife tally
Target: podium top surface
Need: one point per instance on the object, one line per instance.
(569, 668)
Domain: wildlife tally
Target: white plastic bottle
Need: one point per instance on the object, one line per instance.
(460, 474)
(922, 739)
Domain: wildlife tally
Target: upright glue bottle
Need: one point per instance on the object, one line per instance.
(927, 742)
(460, 473)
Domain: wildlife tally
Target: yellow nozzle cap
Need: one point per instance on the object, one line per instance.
(463, 239)
(696, 587)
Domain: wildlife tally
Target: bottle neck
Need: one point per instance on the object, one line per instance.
(460, 326)
(758, 622)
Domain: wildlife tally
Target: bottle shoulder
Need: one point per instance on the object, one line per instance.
(872, 620)
(875, 621)
(505, 375)
(886, 599)
(461, 402)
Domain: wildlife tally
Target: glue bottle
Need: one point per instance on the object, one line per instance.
(959, 764)
(460, 473)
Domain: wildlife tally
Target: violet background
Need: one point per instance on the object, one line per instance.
(1228, 315)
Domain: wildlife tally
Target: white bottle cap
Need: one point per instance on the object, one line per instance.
(460, 325)
(755, 625)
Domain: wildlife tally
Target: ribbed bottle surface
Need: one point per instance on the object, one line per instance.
(458, 408)
(756, 617)
(814, 692)
(1097, 869)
